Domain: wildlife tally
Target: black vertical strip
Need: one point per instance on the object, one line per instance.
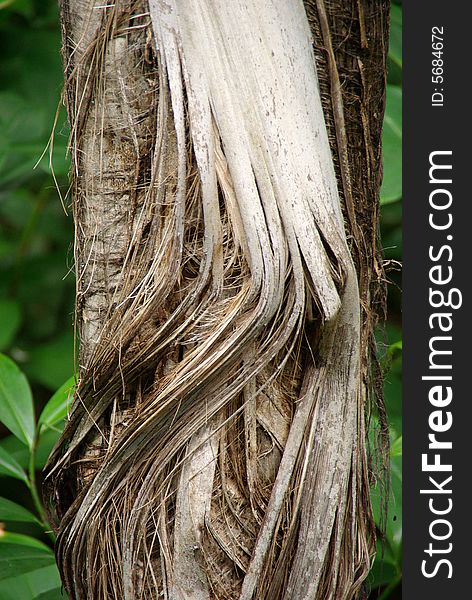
(437, 269)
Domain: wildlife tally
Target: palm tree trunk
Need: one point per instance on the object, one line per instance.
(226, 173)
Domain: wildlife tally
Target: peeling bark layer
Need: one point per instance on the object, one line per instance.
(225, 260)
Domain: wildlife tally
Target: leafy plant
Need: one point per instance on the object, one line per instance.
(27, 565)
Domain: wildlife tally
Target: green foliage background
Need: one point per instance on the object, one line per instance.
(37, 296)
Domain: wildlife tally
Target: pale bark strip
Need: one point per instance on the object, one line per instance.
(192, 509)
(325, 494)
(219, 409)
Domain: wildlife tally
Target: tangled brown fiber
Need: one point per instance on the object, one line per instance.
(227, 276)
(350, 45)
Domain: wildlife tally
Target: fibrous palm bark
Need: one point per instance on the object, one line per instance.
(225, 197)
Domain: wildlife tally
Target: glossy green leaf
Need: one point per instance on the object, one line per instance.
(19, 539)
(392, 147)
(10, 320)
(55, 411)
(22, 554)
(16, 401)
(10, 467)
(10, 511)
(33, 585)
(21, 454)
(54, 594)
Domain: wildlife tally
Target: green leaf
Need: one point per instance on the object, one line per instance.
(19, 539)
(392, 147)
(10, 320)
(56, 409)
(20, 453)
(10, 467)
(32, 585)
(55, 594)
(16, 401)
(10, 511)
(22, 554)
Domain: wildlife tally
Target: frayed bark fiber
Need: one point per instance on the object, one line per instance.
(225, 182)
